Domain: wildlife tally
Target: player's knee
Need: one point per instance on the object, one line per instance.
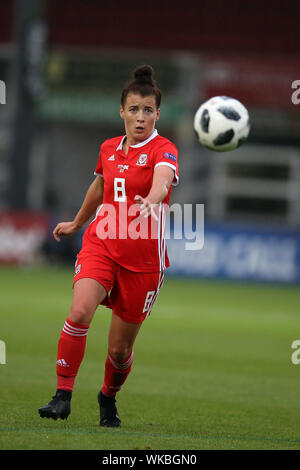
(120, 353)
(80, 314)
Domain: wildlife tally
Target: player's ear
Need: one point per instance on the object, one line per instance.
(122, 112)
(157, 114)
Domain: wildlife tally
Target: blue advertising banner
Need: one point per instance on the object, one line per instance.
(239, 253)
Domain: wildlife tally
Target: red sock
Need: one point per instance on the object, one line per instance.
(71, 348)
(115, 375)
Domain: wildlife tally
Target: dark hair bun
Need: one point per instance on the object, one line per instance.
(142, 83)
(144, 75)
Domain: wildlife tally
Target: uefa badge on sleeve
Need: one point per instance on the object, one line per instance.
(142, 159)
(77, 269)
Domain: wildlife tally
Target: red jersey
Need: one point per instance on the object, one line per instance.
(136, 243)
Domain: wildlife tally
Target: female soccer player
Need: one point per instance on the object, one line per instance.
(123, 256)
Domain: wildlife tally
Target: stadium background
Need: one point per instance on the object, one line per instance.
(64, 64)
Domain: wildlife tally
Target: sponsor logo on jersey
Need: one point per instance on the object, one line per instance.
(142, 159)
(170, 156)
(122, 168)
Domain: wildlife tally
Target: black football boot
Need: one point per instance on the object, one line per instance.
(109, 417)
(58, 407)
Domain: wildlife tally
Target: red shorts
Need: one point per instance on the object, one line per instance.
(131, 295)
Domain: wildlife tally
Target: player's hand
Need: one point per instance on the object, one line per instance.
(146, 207)
(63, 229)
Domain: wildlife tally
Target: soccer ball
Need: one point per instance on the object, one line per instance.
(222, 123)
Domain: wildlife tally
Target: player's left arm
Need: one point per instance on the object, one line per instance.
(162, 179)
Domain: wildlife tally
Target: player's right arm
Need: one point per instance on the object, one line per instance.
(92, 200)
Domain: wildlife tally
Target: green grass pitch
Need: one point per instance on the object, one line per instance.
(212, 368)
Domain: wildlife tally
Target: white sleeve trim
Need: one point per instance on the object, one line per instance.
(176, 177)
(98, 174)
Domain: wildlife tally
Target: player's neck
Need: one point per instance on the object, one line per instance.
(128, 142)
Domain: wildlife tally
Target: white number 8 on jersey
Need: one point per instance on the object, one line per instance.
(119, 190)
